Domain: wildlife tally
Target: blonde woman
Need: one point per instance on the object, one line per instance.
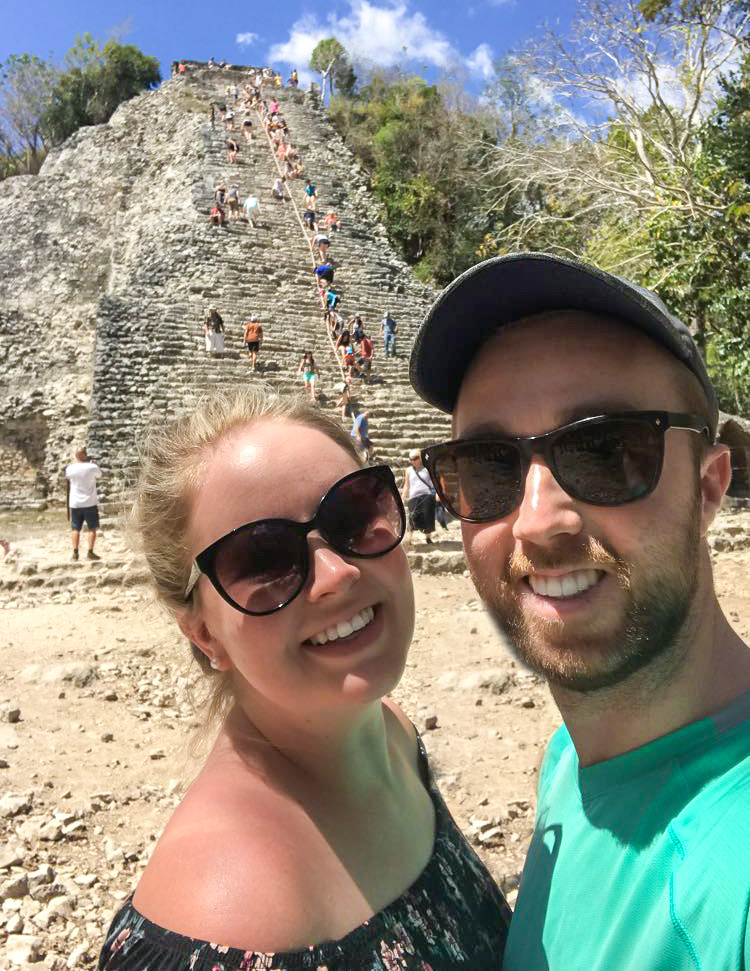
(313, 837)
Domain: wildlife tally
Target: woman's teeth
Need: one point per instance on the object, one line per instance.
(567, 585)
(345, 627)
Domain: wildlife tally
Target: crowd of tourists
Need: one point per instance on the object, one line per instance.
(251, 111)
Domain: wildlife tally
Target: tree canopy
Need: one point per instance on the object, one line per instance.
(41, 104)
(331, 61)
(97, 80)
(624, 142)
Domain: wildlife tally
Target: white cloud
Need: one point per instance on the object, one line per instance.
(502, 3)
(246, 39)
(480, 62)
(379, 35)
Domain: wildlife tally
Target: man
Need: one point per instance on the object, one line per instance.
(252, 209)
(82, 500)
(585, 491)
(388, 328)
(233, 201)
(364, 358)
(361, 434)
(253, 335)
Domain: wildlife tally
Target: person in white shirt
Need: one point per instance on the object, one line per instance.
(82, 500)
(418, 493)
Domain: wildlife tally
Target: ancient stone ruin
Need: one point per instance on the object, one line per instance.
(108, 262)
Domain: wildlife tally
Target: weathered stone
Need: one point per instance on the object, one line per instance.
(11, 855)
(15, 805)
(23, 948)
(15, 887)
(44, 874)
(79, 953)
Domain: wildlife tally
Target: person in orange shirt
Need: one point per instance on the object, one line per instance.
(253, 336)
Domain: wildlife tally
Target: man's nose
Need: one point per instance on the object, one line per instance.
(546, 510)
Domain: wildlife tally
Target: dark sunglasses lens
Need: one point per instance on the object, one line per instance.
(480, 481)
(363, 515)
(262, 567)
(609, 462)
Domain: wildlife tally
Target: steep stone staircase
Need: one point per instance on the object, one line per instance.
(150, 361)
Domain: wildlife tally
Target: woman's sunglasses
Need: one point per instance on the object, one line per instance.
(262, 566)
(607, 460)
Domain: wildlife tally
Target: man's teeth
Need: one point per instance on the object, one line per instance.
(345, 627)
(567, 585)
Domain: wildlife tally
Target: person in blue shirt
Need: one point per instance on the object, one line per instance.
(585, 469)
(388, 328)
(361, 434)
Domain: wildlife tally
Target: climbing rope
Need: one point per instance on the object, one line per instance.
(308, 240)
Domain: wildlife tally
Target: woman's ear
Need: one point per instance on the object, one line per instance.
(201, 639)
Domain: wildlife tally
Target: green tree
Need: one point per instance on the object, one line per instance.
(97, 80)
(711, 282)
(26, 84)
(422, 167)
(331, 61)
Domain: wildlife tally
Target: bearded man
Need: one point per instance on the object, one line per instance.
(585, 471)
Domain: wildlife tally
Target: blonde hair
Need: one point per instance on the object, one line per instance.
(172, 461)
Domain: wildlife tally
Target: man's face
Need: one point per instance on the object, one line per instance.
(634, 566)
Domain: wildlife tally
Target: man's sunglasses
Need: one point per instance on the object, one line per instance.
(262, 566)
(606, 460)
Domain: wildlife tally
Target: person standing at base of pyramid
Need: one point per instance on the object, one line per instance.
(82, 500)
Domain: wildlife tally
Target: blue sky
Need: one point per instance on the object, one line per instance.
(430, 37)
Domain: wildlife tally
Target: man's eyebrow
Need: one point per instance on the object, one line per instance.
(491, 428)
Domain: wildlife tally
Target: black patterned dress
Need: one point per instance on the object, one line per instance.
(452, 918)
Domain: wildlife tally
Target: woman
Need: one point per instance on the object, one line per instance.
(356, 327)
(419, 494)
(313, 837)
(213, 331)
(321, 242)
(309, 373)
(343, 341)
(233, 201)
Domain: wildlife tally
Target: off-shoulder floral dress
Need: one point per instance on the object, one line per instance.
(452, 918)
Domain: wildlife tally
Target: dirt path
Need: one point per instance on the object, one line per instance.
(95, 725)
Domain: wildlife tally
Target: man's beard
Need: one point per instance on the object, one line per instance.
(658, 591)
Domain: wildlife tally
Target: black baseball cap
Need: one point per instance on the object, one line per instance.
(504, 289)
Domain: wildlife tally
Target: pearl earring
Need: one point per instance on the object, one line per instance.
(214, 663)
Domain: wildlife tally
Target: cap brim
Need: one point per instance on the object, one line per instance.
(508, 288)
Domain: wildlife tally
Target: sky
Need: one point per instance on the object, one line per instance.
(433, 38)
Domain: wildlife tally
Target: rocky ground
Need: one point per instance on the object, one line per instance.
(100, 716)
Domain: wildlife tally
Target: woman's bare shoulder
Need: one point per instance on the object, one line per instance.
(402, 728)
(235, 865)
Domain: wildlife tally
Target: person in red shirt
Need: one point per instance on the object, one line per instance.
(364, 358)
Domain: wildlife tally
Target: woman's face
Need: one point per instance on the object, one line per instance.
(280, 469)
